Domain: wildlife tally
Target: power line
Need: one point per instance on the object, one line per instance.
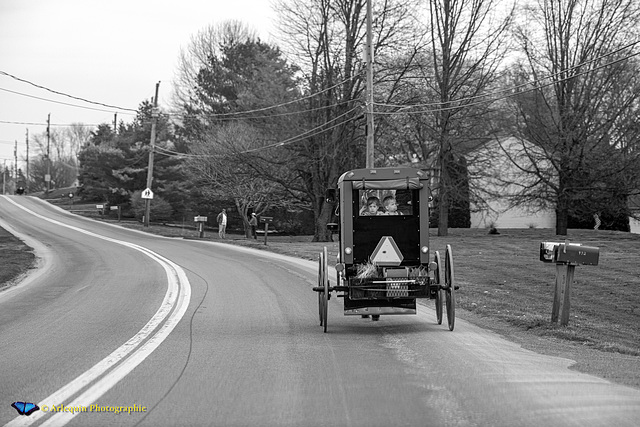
(64, 94)
(290, 113)
(515, 88)
(510, 91)
(318, 130)
(219, 116)
(56, 102)
(285, 103)
(45, 123)
(304, 135)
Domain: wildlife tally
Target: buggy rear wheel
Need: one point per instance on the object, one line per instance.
(450, 299)
(320, 296)
(324, 295)
(439, 277)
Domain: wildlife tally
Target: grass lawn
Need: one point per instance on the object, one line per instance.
(15, 258)
(503, 287)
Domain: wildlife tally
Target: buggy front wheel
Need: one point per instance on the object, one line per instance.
(439, 278)
(323, 288)
(320, 285)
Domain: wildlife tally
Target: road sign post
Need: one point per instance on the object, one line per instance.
(147, 195)
(154, 119)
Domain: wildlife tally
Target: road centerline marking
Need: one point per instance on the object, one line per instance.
(176, 302)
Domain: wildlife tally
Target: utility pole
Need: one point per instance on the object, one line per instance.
(154, 119)
(47, 178)
(115, 123)
(26, 189)
(4, 173)
(369, 103)
(15, 159)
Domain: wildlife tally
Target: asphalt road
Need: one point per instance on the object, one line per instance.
(183, 332)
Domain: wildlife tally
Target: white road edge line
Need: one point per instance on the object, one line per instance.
(178, 295)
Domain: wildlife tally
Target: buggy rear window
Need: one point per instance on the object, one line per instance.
(385, 202)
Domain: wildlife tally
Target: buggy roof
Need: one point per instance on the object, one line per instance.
(384, 178)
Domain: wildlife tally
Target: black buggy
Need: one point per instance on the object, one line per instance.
(383, 262)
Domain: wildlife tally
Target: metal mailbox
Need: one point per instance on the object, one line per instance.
(569, 253)
(546, 251)
(577, 254)
(566, 256)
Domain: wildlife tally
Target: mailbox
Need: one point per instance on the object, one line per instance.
(546, 251)
(569, 253)
(577, 254)
(200, 218)
(566, 256)
(266, 219)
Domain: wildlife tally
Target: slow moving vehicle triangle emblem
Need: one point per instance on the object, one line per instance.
(387, 253)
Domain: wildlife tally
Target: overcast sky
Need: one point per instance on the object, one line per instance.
(107, 51)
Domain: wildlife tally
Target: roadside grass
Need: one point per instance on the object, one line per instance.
(503, 287)
(15, 258)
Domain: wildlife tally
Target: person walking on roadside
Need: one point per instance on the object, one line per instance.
(253, 222)
(222, 224)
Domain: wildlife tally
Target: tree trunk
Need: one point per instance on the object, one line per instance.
(242, 209)
(443, 193)
(322, 234)
(562, 215)
(443, 213)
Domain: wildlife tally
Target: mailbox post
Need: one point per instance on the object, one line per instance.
(566, 257)
(266, 220)
(116, 208)
(200, 220)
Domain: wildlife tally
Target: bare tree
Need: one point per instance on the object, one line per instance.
(579, 94)
(467, 45)
(61, 148)
(219, 165)
(325, 38)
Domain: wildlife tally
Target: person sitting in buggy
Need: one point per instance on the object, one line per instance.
(390, 206)
(372, 207)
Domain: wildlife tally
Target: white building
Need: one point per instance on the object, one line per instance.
(499, 158)
(496, 161)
